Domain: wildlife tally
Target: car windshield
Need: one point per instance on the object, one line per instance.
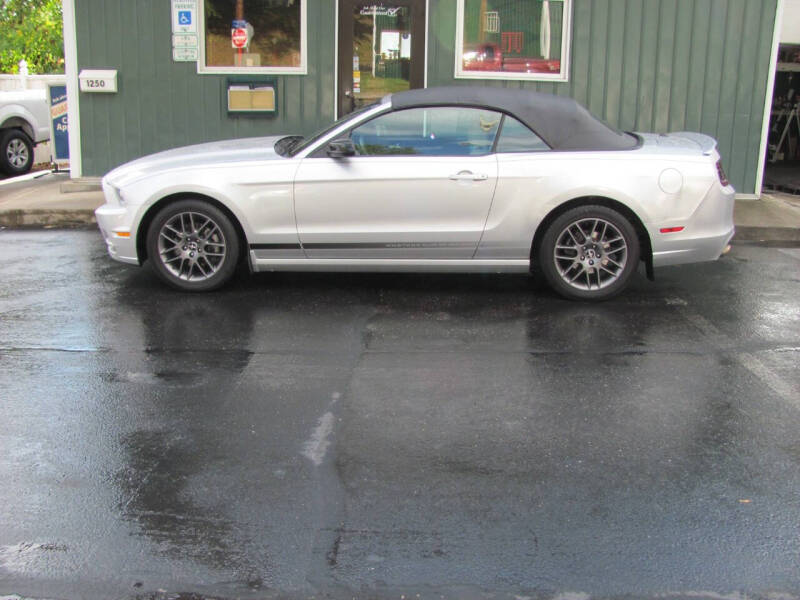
(298, 144)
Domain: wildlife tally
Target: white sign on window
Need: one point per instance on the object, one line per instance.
(405, 45)
(390, 44)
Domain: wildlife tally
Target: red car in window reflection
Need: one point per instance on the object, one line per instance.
(489, 57)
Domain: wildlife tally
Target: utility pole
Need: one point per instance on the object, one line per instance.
(239, 17)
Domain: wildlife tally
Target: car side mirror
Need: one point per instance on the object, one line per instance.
(341, 148)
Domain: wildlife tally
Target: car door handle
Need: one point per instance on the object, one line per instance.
(468, 176)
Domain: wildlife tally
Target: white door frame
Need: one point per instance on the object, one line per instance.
(773, 63)
(73, 90)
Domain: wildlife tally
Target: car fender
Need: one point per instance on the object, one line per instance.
(541, 211)
(16, 115)
(258, 194)
(530, 190)
(155, 190)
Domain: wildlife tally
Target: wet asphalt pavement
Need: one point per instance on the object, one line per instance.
(322, 435)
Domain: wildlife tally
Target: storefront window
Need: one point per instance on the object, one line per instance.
(513, 39)
(254, 36)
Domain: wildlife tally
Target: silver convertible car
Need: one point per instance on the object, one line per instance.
(439, 179)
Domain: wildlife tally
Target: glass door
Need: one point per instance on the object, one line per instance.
(381, 50)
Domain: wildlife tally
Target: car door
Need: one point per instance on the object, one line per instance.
(419, 187)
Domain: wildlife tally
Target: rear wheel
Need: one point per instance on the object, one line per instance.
(589, 253)
(192, 245)
(16, 152)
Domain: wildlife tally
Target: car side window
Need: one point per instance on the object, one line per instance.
(433, 131)
(516, 137)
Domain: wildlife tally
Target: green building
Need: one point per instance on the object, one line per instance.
(147, 75)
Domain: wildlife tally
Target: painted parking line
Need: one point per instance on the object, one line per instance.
(793, 252)
(26, 177)
(749, 361)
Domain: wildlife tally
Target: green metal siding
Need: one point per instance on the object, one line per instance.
(646, 65)
(162, 104)
(656, 65)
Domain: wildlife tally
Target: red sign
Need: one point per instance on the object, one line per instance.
(239, 37)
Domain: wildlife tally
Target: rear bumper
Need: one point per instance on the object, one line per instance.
(699, 250)
(705, 235)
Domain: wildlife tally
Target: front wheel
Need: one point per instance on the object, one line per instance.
(192, 245)
(589, 253)
(16, 152)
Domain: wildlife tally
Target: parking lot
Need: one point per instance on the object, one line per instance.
(367, 435)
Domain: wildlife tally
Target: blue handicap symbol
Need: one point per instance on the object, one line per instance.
(184, 17)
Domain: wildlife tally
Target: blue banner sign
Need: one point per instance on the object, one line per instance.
(59, 129)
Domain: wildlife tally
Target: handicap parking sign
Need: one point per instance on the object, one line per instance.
(183, 16)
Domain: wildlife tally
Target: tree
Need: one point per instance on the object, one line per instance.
(31, 30)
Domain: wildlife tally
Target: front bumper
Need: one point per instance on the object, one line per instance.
(114, 222)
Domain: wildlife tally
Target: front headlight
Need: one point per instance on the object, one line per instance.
(111, 193)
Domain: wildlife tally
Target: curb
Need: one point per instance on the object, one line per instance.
(47, 219)
(85, 184)
(789, 235)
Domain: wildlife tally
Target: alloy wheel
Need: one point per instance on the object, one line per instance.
(17, 153)
(590, 254)
(192, 246)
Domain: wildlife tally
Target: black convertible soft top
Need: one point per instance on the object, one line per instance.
(561, 122)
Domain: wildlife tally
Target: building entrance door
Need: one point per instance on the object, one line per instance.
(381, 50)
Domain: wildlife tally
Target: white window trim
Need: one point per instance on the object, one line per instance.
(201, 55)
(566, 39)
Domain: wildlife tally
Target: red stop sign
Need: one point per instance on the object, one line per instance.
(239, 37)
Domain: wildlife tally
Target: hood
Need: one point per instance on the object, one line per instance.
(211, 154)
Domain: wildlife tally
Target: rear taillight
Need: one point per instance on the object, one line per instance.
(721, 174)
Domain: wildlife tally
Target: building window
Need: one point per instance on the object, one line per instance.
(513, 39)
(435, 131)
(253, 36)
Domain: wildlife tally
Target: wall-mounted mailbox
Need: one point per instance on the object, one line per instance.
(251, 97)
(98, 80)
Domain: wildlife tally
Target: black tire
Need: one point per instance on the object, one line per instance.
(16, 152)
(192, 246)
(599, 265)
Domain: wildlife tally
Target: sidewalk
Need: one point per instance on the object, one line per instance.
(46, 200)
(51, 200)
(773, 218)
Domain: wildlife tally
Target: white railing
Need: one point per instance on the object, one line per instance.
(24, 81)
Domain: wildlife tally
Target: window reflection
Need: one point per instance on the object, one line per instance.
(512, 36)
(274, 28)
(439, 131)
